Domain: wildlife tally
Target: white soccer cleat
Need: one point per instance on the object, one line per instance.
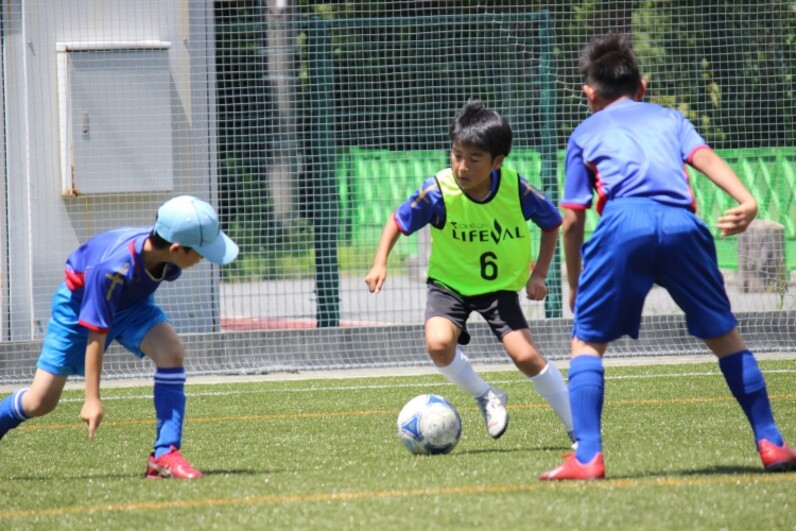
(493, 407)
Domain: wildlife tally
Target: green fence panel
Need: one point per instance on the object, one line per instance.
(528, 163)
(770, 176)
(374, 182)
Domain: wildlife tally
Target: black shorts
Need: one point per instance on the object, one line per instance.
(500, 309)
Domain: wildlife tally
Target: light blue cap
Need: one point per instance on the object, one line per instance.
(191, 222)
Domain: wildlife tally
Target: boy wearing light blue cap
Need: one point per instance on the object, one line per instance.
(108, 294)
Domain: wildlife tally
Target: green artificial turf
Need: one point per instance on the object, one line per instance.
(323, 454)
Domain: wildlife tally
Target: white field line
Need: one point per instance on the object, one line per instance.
(315, 388)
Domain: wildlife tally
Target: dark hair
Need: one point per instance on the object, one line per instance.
(475, 125)
(609, 66)
(159, 242)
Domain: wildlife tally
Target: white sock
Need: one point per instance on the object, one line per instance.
(460, 372)
(550, 384)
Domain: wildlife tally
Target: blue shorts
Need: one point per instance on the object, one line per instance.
(640, 242)
(64, 349)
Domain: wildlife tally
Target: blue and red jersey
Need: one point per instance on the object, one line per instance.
(107, 273)
(643, 156)
(427, 206)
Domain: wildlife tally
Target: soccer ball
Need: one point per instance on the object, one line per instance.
(429, 424)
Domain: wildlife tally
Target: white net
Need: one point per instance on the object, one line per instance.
(307, 123)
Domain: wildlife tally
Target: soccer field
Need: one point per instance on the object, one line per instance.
(323, 454)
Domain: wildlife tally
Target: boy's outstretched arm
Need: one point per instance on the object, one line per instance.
(378, 273)
(92, 406)
(735, 220)
(536, 288)
(573, 229)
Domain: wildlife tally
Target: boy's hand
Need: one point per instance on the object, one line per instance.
(375, 278)
(92, 415)
(536, 288)
(737, 219)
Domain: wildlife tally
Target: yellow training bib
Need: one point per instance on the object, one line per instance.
(483, 247)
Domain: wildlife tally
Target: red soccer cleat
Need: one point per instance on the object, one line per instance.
(573, 469)
(776, 458)
(170, 465)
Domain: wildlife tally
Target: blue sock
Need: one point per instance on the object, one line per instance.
(586, 396)
(11, 413)
(748, 386)
(169, 397)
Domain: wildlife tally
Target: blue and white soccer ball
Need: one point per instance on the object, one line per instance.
(429, 424)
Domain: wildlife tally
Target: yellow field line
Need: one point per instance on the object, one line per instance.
(322, 414)
(399, 493)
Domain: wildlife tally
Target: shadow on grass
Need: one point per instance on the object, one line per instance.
(81, 477)
(84, 477)
(562, 449)
(707, 471)
(723, 470)
(239, 472)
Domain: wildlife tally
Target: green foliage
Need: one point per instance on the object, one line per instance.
(323, 454)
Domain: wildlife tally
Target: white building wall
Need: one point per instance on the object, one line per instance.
(42, 223)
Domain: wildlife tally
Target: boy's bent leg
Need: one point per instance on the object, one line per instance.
(748, 386)
(448, 358)
(166, 459)
(461, 373)
(491, 400)
(169, 399)
(587, 392)
(39, 399)
(11, 412)
(163, 346)
(441, 339)
(550, 384)
(545, 376)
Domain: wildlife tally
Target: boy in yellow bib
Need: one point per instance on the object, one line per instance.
(480, 259)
